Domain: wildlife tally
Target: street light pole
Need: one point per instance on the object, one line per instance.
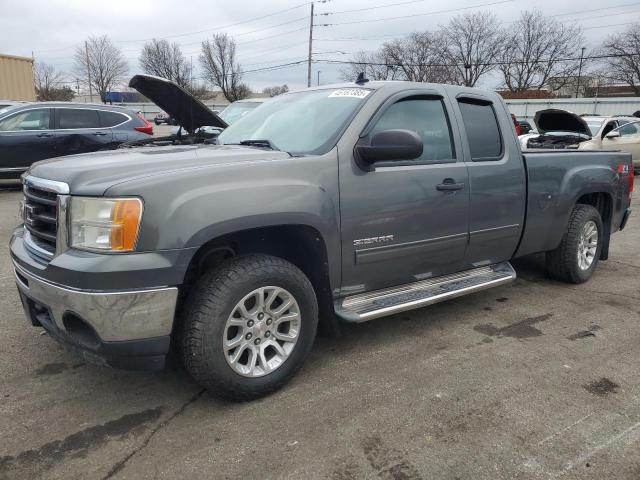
(86, 52)
(579, 72)
(310, 48)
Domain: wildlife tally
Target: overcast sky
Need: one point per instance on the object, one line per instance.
(52, 30)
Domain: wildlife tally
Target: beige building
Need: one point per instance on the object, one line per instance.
(16, 78)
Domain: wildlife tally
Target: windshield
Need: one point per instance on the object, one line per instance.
(594, 127)
(301, 123)
(236, 111)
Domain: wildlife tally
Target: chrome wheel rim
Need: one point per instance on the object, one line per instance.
(587, 245)
(261, 331)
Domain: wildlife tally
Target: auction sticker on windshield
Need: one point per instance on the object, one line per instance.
(350, 92)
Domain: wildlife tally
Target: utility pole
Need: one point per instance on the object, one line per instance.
(310, 47)
(86, 53)
(579, 72)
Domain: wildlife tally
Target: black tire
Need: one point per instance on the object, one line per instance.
(157, 122)
(216, 294)
(562, 263)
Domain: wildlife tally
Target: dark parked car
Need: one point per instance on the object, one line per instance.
(525, 127)
(9, 103)
(35, 131)
(164, 117)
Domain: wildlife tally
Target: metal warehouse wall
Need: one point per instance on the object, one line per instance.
(526, 109)
(16, 78)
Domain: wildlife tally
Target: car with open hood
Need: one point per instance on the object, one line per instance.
(560, 129)
(557, 129)
(182, 107)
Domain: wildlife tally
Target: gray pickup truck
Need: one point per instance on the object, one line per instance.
(334, 204)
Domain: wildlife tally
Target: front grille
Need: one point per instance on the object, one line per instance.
(40, 219)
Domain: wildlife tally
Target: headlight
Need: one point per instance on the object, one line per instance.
(105, 224)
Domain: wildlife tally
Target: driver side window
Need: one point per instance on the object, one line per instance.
(428, 118)
(629, 129)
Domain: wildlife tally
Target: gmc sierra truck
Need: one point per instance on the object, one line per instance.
(334, 204)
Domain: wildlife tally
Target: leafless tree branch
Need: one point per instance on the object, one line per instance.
(537, 49)
(104, 61)
(164, 59)
(218, 60)
(624, 64)
(473, 42)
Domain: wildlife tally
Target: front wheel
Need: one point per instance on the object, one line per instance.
(576, 257)
(248, 326)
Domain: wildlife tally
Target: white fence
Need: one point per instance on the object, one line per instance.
(523, 109)
(526, 109)
(150, 110)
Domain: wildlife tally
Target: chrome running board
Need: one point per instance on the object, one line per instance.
(379, 303)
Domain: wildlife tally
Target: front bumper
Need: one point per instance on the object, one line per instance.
(120, 328)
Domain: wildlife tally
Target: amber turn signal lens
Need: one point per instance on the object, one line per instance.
(125, 221)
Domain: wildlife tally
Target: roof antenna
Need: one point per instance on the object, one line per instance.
(361, 80)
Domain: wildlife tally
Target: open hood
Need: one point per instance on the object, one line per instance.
(554, 120)
(188, 111)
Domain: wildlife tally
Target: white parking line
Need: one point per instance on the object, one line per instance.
(582, 459)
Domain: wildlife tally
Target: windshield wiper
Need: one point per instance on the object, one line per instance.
(259, 143)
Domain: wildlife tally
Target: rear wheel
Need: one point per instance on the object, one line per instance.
(248, 326)
(576, 257)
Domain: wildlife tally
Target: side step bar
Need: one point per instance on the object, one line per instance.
(379, 303)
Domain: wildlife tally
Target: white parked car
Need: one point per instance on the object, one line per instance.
(562, 129)
(625, 137)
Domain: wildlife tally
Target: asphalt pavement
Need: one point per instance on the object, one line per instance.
(534, 380)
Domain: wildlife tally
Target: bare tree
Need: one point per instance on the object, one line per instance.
(539, 49)
(420, 58)
(473, 43)
(623, 64)
(222, 70)
(49, 82)
(277, 90)
(200, 91)
(374, 65)
(103, 61)
(164, 59)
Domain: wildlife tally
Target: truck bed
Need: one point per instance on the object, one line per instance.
(556, 180)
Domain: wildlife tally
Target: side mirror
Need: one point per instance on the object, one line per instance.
(389, 145)
(612, 135)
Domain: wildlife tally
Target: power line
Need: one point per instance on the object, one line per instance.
(450, 10)
(381, 37)
(485, 64)
(221, 27)
(271, 36)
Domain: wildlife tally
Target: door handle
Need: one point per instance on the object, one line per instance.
(45, 135)
(449, 185)
(99, 134)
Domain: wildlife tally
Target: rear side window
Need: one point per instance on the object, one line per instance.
(428, 118)
(483, 132)
(111, 119)
(68, 118)
(27, 120)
